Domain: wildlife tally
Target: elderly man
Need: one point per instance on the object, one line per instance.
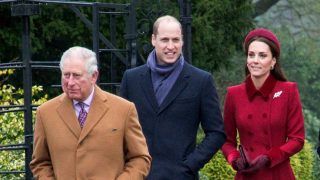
(87, 133)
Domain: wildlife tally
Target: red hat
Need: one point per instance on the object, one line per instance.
(262, 32)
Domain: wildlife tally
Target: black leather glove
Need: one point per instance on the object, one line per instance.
(258, 163)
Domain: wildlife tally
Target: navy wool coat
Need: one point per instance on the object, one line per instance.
(171, 128)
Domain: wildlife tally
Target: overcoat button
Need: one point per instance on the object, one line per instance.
(264, 115)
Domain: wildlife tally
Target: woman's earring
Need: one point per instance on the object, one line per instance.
(272, 67)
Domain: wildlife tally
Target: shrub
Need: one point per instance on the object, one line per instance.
(303, 162)
(12, 127)
(217, 169)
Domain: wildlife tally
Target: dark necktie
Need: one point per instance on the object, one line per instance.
(82, 114)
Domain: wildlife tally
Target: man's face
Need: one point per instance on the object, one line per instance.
(168, 42)
(76, 82)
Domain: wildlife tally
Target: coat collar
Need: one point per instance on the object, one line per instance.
(98, 109)
(99, 106)
(146, 85)
(264, 91)
(178, 86)
(66, 112)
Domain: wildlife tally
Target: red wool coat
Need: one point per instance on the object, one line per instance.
(269, 121)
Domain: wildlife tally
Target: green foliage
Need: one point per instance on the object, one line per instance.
(217, 169)
(312, 125)
(303, 162)
(231, 75)
(302, 65)
(12, 126)
(10, 35)
(218, 28)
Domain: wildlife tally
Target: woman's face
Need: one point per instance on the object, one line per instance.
(259, 60)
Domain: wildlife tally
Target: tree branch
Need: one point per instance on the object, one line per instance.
(263, 6)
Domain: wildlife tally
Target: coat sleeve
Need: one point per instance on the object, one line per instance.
(40, 164)
(137, 159)
(123, 86)
(212, 125)
(229, 149)
(295, 130)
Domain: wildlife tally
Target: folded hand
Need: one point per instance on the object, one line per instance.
(238, 164)
(258, 163)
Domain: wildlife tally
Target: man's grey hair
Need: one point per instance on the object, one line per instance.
(81, 54)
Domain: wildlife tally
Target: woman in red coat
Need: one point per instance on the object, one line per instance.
(265, 111)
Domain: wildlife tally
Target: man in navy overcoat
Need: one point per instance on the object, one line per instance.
(172, 98)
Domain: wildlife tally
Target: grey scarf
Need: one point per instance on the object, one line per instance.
(163, 76)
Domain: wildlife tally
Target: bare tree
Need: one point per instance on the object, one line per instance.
(299, 17)
(262, 6)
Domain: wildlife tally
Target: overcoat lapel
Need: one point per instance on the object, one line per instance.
(67, 114)
(98, 108)
(146, 85)
(178, 86)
